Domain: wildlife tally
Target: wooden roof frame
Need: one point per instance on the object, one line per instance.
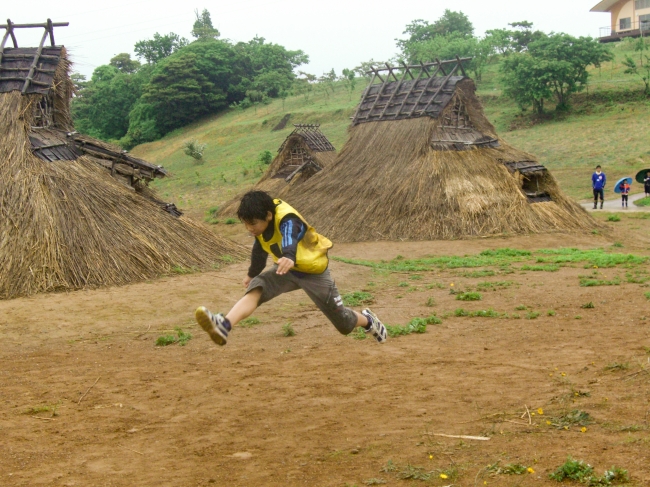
(417, 94)
(48, 32)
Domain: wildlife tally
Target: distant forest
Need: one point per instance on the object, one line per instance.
(175, 81)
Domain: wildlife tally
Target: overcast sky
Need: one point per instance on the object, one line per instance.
(334, 33)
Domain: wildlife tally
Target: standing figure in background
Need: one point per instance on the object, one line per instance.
(646, 184)
(598, 181)
(624, 187)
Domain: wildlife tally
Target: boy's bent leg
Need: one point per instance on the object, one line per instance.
(217, 326)
(322, 290)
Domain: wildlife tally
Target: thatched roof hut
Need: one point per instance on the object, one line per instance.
(305, 152)
(422, 162)
(76, 212)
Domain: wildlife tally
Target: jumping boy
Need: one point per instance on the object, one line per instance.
(598, 181)
(300, 256)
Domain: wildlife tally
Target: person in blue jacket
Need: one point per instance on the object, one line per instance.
(598, 181)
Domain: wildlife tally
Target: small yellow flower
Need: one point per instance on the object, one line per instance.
(485, 482)
(551, 374)
(540, 411)
(555, 368)
(606, 399)
(566, 427)
(583, 429)
(595, 267)
(443, 476)
(548, 422)
(532, 414)
(430, 457)
(530, 470)
(563, 374)
(575, 393)
(452, 284)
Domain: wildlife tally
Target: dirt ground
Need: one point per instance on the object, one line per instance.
(88, 399)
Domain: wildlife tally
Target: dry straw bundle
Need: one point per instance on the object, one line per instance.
(68, 224)
(389, 183)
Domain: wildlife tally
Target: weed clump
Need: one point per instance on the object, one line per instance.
(181, 338)
(416, 325)
(469, 296)
(357, 298)
(287, 330)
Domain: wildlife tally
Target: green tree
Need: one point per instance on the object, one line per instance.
(641, 70)
(419, 31)
(523, 35)
(158, 48)
(124, 63)
(349, 79)
(203, 28)
(555, 64)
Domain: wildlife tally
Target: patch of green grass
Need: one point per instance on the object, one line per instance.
(403, 284)
(415, 277)
(540, 268)
(585, 282)
(179, 269)
(211, 215)
(469, 296)
(164, 340)
(431, 302)
(613, 218)
(571, 469)
(416, 325)
(618, 244)
(484, 286)
(51, 408)
(482, 313)
(357, 298)
(231, 221)
(532, 315)
(643, 202)
(287, 330)
(481, 273)
(359, 334)
(181, 338)
(521, 307)
(575, 417)
(390, 467)
(589, 305)
(375, 481)
(249, 322)
(647, 295)
(550, 312)
(577, 317)
(438, 285)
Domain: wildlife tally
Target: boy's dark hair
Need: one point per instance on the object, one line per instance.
(597, 167)
(254, 205)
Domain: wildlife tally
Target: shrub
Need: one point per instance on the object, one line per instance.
(265, 157)
(194, 149)
(469, 296)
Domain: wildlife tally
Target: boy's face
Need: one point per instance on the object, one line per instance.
(257, 227)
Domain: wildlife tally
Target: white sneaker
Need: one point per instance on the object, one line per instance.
(377, 328)
(217, 326)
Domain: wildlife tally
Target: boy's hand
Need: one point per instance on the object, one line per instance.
(247, 280)
(284, 266)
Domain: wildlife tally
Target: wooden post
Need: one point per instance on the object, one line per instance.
(415, 83)
(50, 29)
(35, 62)
(10, 29)
(460, 63)
(424, 90)
(444, 82)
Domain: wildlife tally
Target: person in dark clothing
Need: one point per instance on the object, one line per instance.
(646, 184)
(598, 181)
(301, 262)
(624, 188)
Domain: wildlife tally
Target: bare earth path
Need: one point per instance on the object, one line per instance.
(87, 399)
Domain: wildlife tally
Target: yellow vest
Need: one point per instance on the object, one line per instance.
(311, 254)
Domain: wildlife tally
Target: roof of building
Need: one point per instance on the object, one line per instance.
(313, 137)
(421, 90)
(604, 6)
(16, 64)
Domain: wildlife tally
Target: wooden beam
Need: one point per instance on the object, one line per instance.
(399, 85)
(424, 90)
(444, 82)
(460, 63)
(363, 97)
(27, 26)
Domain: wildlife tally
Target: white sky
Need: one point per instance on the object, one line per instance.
(334, 33)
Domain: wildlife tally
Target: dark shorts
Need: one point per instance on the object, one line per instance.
(599, 192)
(320, 288)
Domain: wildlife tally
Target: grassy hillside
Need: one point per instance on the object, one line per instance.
(608, 125)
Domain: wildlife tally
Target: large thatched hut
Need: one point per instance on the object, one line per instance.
(76, 212)
(305, 152)
(423, 162)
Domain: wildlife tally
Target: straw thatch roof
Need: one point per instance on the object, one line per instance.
(409, 171)
(76, 212)
(305, 152)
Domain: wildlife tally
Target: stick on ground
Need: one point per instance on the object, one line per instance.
(79, 401)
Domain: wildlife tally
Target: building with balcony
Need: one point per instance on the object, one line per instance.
(629, 18)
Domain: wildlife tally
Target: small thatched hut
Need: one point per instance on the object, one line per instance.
(305, 152)
(76, 212)
(422, 162)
